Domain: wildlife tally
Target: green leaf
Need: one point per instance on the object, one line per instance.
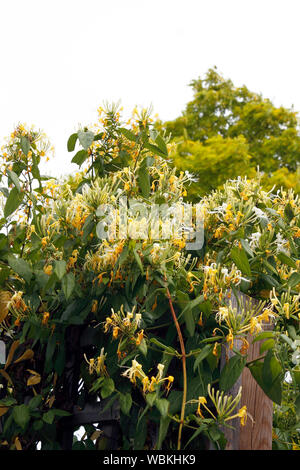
(241, 260)
(297, 406)
(72, 142)
(21, 267)
(268, 375)
(154, 149)
(76, 309)
(68, 284)
(269, 280)
(214, 433)
(8, 401)
(161, 145)
(107, 388)
(163, 429)
(48, 417)
(202, 355)
(162, 405)
(80, 157)
(144, 178)
(292, 332)
(21, 415)
(128, 134)
(198, 431)
(25, 145)
(288, 212)
(37, 425)
(286, 260)
(35, 402)
(143, 347)
(163, 346)
(140, 434)
(150, 399)
(86, 138)
(35, 169)
(14, 178)
(78, 445)
(294, 280)
(138, 260)
(60, 268)
(296, 374)
(269, 267)
(125, 401)
(272, 376)
(263, 335)
(189, 322)
(247, 247)
(51, 345)
(13, 201)
(192, 304)
(231, 372)
(266, 345)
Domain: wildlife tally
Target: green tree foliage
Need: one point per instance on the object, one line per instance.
(228, 131)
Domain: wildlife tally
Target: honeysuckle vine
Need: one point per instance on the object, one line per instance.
(153, 313)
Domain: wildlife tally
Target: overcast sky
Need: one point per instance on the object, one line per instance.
(61, 59)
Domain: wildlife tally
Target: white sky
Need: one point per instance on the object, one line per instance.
(61, 59)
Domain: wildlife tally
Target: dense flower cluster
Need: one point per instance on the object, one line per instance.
(130, 284)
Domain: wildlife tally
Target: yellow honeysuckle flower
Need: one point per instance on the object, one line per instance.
(48, 269)
(45, 319)
(201, 401)
(222, 314)
(116, 330)
(255, 325)
(152, 384)
(229, 339)
(216, 349)
(286, 309)
(44, 241)
(139, 338)
(134, 372)
(242, 414)
(145, 382)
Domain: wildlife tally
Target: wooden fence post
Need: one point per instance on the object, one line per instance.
(256, 435)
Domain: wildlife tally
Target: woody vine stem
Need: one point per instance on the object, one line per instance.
(183, 358)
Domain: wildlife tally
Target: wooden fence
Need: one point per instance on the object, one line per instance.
(256, 435)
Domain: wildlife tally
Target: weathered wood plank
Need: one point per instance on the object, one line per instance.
(256, 435)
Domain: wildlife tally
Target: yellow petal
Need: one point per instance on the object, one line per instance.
(28, 354)
(3, 410)
(18, 443)
(11, 353)
(33, 380)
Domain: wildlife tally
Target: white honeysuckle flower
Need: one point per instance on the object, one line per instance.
(225, 273)
(219, 209)
(281, 243)
(259, 213)
(160, 368)
(254, 239)
(134, 371)
(192, 178)
(211, 268)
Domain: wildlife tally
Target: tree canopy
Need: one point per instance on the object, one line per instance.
(226, 131)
